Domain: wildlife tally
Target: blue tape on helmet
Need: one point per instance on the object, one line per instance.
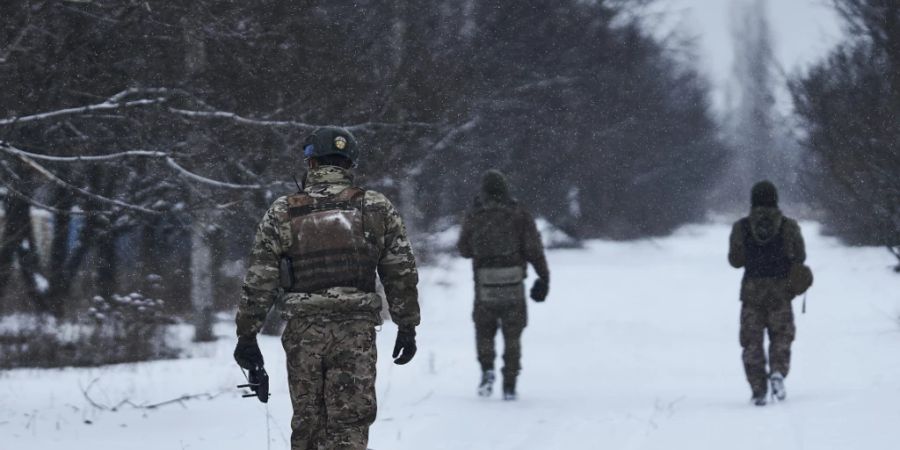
(308, 150)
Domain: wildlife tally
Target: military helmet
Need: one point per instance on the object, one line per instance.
(331, 141)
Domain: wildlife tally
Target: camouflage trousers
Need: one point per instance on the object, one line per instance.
(766, 309)
(509, 316)
(331, 372)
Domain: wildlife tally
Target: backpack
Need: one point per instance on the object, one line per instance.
(800, 278)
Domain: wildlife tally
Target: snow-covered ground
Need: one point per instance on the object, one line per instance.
(636, 348)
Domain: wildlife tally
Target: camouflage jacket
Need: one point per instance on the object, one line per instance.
(396, 265)
(764, 223)
(510, 219)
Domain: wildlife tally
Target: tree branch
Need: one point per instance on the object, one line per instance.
(104, 106)
(201, 179)
(52, 177)
(226, 115)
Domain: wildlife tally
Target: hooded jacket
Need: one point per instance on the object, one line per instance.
(766, 244)
(499, 232)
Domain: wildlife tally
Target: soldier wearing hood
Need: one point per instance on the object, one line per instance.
(501, 238)
(766, 244)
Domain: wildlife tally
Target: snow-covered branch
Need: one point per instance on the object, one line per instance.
(208, 181)
(227, 115)
(31, 201)
(109, 104)
(170, 161)
(46, 173)
(82, 158)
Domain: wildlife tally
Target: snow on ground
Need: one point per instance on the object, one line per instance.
(636, 348)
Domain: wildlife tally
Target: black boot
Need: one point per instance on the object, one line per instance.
(509, 389)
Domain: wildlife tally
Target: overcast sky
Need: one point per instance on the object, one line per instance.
(802, 32)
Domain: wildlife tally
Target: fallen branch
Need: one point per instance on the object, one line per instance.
(127, 402)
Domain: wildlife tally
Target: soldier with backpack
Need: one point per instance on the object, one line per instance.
(501, 238)
(770, 248)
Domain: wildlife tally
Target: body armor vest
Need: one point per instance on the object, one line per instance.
(328, 242)
(765, 260)
(495, 238)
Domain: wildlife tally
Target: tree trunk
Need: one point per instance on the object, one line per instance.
(59, 251)
(18, 242)
(201, 282)
(195, 62)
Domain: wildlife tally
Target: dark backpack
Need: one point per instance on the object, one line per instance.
(495, 236)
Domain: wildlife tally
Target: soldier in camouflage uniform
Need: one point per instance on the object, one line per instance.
(766, 244)
(334, 238)
(501, 238)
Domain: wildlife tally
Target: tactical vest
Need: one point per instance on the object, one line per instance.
(765, 260)
(495, 238)
(328, 242)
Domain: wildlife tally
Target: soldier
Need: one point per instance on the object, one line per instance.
(766, 244)
(334, 237)
(501, 238)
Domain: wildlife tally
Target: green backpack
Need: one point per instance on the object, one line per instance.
(800, 278)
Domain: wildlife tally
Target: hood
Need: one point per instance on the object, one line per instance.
(765, 223)
(764, 193)
(494, 188)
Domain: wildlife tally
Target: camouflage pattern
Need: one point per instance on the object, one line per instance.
(495, 222)
(766, 301)
(769, 309)
(396, 265)
(331, 375)
(329, 338)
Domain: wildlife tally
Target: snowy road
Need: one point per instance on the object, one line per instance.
(636, 348)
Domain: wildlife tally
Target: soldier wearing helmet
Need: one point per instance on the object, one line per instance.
(335, 237)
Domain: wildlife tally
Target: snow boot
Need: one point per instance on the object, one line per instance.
(777, 381)
(758, 400)
(509, 390)
(486, 387)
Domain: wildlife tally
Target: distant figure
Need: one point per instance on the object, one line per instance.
(767, 245)
(501, 238)
(330, 240)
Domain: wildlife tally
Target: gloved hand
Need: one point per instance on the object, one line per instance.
(247, 353)
(539, 290)
(406, 342)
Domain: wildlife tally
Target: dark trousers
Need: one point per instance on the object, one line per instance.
(511, 319)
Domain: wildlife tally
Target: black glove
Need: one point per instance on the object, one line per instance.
(406, 341)
(539, 290)
(247, 353)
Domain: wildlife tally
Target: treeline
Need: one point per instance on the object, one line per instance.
(156, 133)
(850, 107)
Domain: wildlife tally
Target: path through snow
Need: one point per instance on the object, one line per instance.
(636, 348)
